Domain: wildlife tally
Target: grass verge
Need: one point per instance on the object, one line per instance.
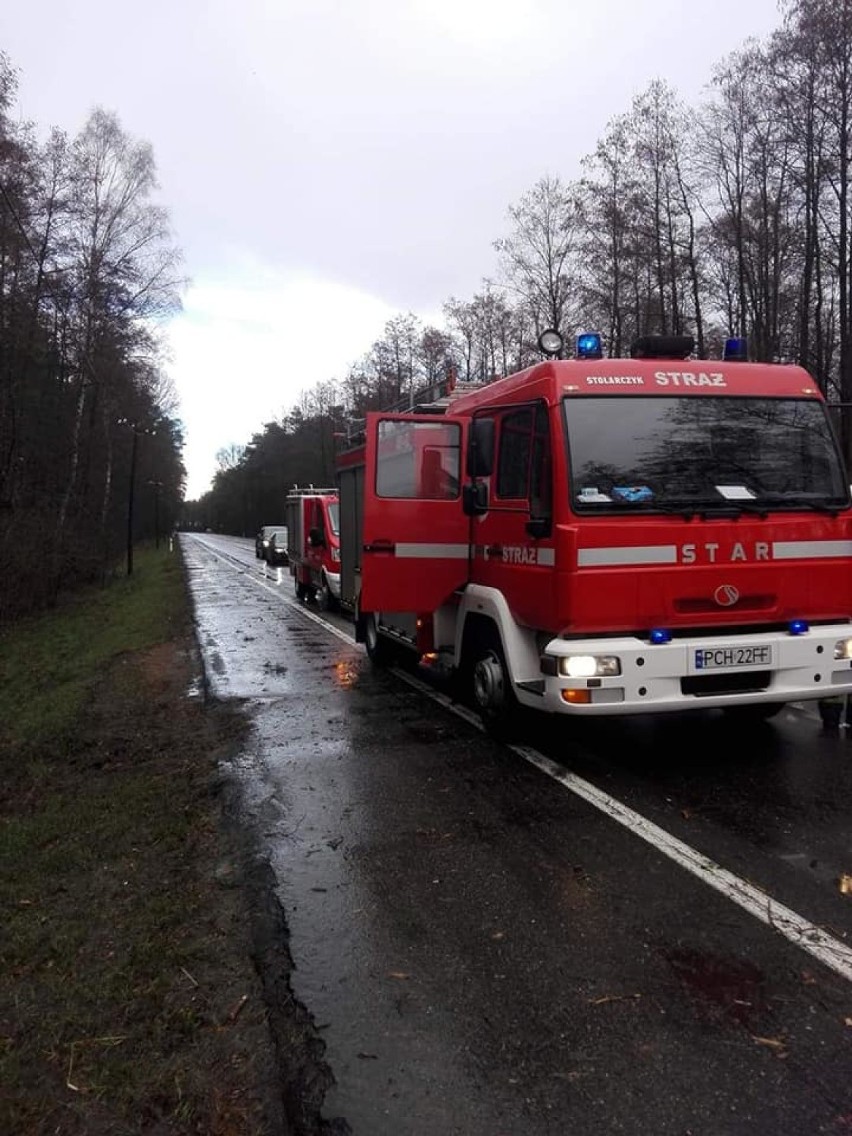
(128, 1001)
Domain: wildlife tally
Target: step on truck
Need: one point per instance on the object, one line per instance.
(314, 544)
(599, 536)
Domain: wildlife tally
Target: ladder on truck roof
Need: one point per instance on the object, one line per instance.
(309, 491)
(416, 405)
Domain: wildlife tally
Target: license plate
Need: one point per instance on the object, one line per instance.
(732, 658)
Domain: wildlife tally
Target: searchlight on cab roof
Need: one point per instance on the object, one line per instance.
(550, 343)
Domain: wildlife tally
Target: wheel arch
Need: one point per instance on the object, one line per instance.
(483, 609)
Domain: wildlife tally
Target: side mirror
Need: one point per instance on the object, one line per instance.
(315, 539)
(475, 499)
(480, 450)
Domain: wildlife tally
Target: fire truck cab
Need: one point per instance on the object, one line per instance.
(610, 536)
(314, 544)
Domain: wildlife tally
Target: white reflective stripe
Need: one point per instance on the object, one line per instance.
(547, 557)
(815, 549)
(640, 554)
(432, 551)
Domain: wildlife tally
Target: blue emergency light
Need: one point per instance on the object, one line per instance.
(798, 627)
(589, 346)
(736, 350)
(660, 635)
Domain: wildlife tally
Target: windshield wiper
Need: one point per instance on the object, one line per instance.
(792, 501)
(712, 507)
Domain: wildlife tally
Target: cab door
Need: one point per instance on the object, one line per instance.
(416, 537)
(514, 541)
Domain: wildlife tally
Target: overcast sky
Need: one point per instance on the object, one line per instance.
(328, 163)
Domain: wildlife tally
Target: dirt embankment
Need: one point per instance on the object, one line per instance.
(145, 968)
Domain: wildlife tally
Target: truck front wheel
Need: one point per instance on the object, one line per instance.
(492, 691)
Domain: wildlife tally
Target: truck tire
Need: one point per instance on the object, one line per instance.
(379, 651)
(324, 597)
(491, 688)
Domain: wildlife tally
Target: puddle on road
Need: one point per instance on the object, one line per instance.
(731, 989)
(428, 731)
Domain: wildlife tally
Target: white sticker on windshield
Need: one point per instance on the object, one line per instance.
(589, 493)
(735, 492)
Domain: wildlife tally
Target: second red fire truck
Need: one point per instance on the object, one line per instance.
(609, 536)
(313, 548)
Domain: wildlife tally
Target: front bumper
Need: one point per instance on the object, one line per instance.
(664, 677)
(333, 579)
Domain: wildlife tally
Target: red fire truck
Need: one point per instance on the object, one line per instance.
(609, 536)
(314, 544)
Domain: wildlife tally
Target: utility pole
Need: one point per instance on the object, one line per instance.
(131, 489)
(157, 487)
(130, 496)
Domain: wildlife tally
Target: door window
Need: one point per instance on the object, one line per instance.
(523, 458)
(418, 460)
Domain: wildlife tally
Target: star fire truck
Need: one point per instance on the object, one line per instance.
(602, 536)
(313, 547)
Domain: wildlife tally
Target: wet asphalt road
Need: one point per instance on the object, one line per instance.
(486, 953)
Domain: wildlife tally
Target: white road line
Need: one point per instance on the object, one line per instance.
(275, 590)
(829, 950)
(826, 948)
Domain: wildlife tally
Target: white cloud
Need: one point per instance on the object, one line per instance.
(246, 346)
(362, 152)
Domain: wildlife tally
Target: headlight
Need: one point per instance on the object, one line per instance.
(589, 666)
(843, 649)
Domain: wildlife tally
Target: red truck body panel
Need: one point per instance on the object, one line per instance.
(553, 567)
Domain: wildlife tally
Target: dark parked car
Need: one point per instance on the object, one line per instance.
(261, 541)
(276, 553)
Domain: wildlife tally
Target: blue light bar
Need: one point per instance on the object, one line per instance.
(798, 626)
(660, 635)
(589, 346)
(736, 350)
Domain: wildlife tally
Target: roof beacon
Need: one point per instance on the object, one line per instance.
(589, 346)
(736, 350)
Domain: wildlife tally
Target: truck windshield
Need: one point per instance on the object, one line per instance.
(334, 517)
(672, 454)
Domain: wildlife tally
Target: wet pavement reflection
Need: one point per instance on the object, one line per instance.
(483, 952)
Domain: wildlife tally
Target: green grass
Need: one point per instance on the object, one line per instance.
(48, 663)
(120, 954)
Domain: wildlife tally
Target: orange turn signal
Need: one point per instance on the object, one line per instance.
(577, 697)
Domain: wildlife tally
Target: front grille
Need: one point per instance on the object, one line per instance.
(705, 605)
(740, 682)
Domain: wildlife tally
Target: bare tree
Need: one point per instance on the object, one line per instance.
(536, 256)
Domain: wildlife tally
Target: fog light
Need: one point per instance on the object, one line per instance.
(843, 649)
(589, 666)
(577, 697)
